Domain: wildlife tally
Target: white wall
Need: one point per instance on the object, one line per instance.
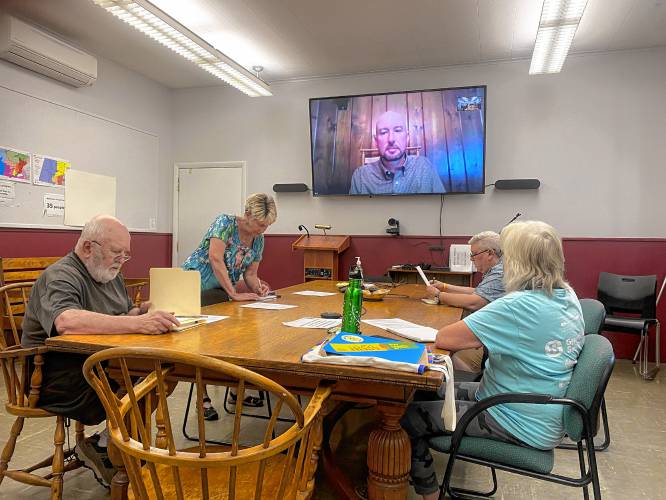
(119, 95)
(594, 135)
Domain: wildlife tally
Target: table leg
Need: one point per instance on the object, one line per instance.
(389, 456)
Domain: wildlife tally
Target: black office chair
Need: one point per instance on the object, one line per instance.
(623, 296)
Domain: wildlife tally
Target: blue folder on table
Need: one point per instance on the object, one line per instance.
(353, 344)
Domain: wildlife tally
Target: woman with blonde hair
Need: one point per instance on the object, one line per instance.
(230, 252)
(533, 335)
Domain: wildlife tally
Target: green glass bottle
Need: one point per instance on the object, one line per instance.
(353, 300)
(351, 307)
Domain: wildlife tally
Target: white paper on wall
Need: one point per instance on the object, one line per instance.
(87, 195)
(54, 205)
(459, 258)
(7, 192)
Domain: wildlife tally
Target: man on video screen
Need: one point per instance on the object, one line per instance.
(395, 172)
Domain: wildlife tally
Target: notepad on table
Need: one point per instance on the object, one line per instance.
(188, 322)
(405, 329)
(267, 305)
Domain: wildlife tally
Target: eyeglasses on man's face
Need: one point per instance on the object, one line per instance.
(473, 255)
(118, 255)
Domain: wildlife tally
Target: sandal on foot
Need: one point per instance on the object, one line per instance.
(250, 401)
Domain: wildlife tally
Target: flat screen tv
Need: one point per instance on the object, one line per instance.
(399, 143)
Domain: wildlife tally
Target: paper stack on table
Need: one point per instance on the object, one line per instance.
(314, 323)
(267, 305)
(404, 328)
(314, 293)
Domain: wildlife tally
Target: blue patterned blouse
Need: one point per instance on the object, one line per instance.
(237, 257)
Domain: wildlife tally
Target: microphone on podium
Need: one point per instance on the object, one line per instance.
(303, 228)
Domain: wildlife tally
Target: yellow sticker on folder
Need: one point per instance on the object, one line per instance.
(347, 344)
(371, 347)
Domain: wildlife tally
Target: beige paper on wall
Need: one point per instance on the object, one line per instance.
(87, 195)
(175, 290)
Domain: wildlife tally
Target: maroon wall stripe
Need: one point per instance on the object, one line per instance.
(148, 249)
(281, 266)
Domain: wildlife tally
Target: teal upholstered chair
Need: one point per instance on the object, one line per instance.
(582, 402)
(594, 315)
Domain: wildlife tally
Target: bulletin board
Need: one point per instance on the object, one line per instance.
(90, 143)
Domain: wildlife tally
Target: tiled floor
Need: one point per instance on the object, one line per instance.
(633, 467)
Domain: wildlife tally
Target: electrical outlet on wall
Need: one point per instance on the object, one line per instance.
(152, 223)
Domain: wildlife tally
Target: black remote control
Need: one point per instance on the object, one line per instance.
(331, 315)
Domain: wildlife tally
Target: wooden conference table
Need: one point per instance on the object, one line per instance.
(256, 339)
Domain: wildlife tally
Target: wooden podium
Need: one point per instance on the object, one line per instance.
(320, 258)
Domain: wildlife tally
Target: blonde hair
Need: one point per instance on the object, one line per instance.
(262, 207)
(487, 240)
(533, 257)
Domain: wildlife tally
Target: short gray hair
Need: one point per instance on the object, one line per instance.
(95, 229)
(262, 207)
(487, 240)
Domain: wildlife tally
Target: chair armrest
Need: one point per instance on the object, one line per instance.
(317, 400)
(20, 352)
(514, 397)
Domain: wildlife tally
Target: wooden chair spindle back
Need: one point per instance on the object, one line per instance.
(264, 467)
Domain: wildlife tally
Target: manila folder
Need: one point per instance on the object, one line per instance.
(175, 290)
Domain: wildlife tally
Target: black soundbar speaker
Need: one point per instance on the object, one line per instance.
(517, 184)
(290, 188)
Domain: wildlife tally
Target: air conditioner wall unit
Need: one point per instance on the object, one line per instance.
(39, 51)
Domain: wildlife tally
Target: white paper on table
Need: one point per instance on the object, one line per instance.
(423, 276)
(212, 319)
(314, 323)
(404, 328)
(268, 305)
(314, 293)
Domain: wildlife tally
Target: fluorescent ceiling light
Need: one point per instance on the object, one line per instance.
(164, 29)
(557, 28)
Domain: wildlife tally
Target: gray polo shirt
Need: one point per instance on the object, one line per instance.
(416, 176)
(64, 285)
(492, 285)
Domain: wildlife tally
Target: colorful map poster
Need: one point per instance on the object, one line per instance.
(48, 171)
(14, 164)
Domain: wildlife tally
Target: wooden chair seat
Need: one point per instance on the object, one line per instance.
(246, 479)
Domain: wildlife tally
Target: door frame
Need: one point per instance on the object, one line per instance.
(176, 180)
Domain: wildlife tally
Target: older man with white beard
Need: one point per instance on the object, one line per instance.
(85, 292)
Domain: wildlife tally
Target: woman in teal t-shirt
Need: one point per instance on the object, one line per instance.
(231, 251)
(533, 334)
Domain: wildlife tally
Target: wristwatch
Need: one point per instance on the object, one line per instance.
(437, 297)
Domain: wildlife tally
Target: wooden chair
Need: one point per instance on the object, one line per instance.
(280, 467)
(135, 289)
(23, 396)
(21, 270)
